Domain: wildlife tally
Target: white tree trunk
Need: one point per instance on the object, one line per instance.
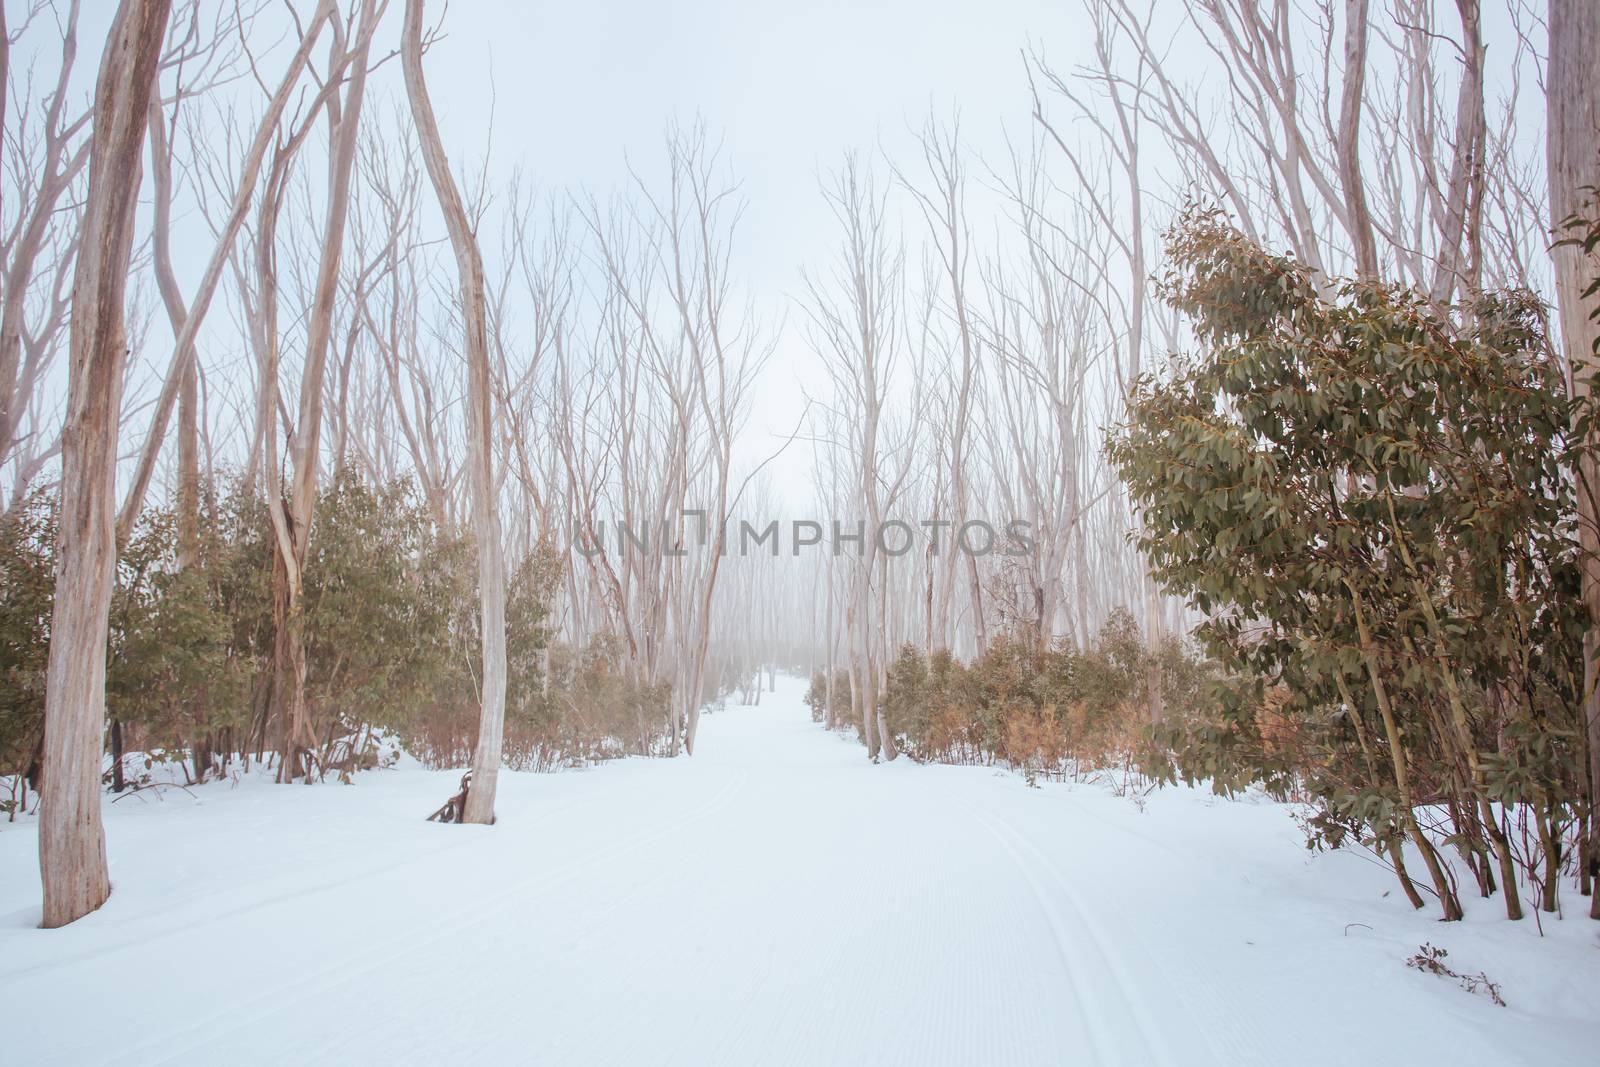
(1348, 140)
(344, 127)
(485, 514)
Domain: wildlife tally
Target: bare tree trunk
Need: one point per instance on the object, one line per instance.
(1572, 144)
(345, 124)
(72, 847)
(1457, 269)
(118, 783)
(177, 315)
(1348, 145)
(5, 78)
(485, 514)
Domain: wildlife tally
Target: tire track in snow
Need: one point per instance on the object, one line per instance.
(1006, 967)
(246, 1014)
(1232, 1036)
(1100, 1003)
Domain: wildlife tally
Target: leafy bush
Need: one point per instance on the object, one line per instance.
(817, 697)
(27, 584)
(390, 622)
(1370, 499)
(1053, 713)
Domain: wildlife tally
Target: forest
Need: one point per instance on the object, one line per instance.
(1220, 428)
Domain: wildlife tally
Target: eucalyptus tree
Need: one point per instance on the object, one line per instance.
(857, 315)
(1049, 341)
(72, 852)
(681, 353)
(242, 198)
(480, 427)
(941, 199)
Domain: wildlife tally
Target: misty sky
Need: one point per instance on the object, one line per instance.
(578, 88)
(570, 92)
(791, 86)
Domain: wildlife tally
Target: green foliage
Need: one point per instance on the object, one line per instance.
(390, 623)
(1062, 710)
(27, 584)
(817, 696)
(389, 610)
(1370, 499)
(172, 667)
(532, 718)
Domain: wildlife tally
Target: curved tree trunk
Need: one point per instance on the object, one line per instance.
(1348, 142)
(485, 514)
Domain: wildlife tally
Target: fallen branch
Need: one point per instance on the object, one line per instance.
(456, 806)
(1431, 959)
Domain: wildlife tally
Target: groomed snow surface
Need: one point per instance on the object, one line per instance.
(774, 899)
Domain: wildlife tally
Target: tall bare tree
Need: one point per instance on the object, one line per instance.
(480, 425)
(856, 315)
(72, 850)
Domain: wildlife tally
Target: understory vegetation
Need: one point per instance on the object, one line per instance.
(391, 631)
(1056, 713)
(1370, 500)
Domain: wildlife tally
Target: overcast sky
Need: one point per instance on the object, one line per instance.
(578, 88)
(569, 92)
(790, 86)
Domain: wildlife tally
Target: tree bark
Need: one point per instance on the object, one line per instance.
(1358, 220)
(485, 514)
(1572, 146)
(344, 119)
(72, 847)
(1457, 269)
(177, 315)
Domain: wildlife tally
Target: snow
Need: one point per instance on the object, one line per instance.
(774, 899)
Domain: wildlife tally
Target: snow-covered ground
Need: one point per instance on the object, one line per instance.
(774, 899)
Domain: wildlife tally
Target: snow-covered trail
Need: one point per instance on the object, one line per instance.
(775, 899)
